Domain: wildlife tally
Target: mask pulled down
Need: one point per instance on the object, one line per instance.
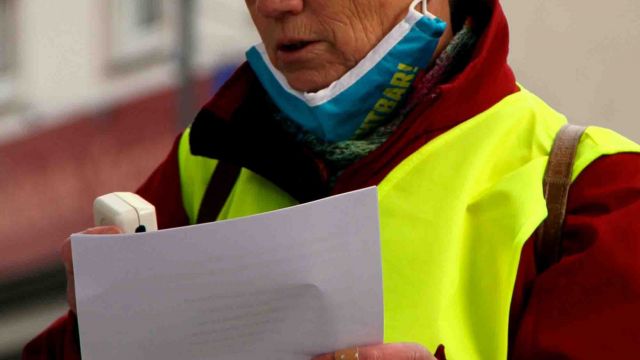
(366, 95)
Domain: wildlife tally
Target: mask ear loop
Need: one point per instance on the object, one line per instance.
(425, 8)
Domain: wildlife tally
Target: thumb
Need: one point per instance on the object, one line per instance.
(404, 351)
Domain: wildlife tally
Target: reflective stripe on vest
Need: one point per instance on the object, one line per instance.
(454, 217)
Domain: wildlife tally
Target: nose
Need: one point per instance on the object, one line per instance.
(279, 8)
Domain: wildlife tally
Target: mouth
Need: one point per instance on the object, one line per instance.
(293, 46)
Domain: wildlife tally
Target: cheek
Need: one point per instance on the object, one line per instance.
(267, 36)
(359, 27)
(345, 46)
(263, 29)
(348, 51)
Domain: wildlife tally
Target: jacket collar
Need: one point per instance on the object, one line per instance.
(236, 124)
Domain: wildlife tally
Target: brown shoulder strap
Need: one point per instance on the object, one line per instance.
(557, 180)
(222, 181)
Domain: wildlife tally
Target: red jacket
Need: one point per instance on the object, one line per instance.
(585, 307)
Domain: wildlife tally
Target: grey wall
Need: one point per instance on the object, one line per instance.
(581, 56)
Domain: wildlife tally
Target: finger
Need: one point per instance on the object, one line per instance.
(67, 260)
(71, 292)
(404, 351)
(103, 230)
(65, 254)
(65, 250)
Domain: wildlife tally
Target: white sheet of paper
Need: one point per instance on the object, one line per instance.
(284, 285)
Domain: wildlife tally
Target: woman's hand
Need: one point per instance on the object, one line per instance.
(381, 352)
(67, 259)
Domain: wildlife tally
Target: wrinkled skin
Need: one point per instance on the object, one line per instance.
(340, 33)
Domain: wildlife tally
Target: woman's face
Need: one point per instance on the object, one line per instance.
(315, 42)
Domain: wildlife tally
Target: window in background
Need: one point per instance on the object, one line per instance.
(140, 32)
(7, 50)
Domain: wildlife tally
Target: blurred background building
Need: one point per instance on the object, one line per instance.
(89, 104)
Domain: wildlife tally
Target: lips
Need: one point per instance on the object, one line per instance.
(294, 52)
(293, 45)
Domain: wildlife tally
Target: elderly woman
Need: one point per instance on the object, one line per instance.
(417, 98)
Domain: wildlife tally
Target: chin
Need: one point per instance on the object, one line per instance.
(310, 81)
(306, 83)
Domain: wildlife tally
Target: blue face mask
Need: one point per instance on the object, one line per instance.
(367, 94)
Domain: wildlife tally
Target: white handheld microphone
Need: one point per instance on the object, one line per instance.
(126, 210)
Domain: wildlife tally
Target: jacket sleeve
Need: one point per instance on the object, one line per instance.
(162, 188)
(588, 305)
(58, 341)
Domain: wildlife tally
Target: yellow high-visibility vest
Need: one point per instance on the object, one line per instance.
(454, 217)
